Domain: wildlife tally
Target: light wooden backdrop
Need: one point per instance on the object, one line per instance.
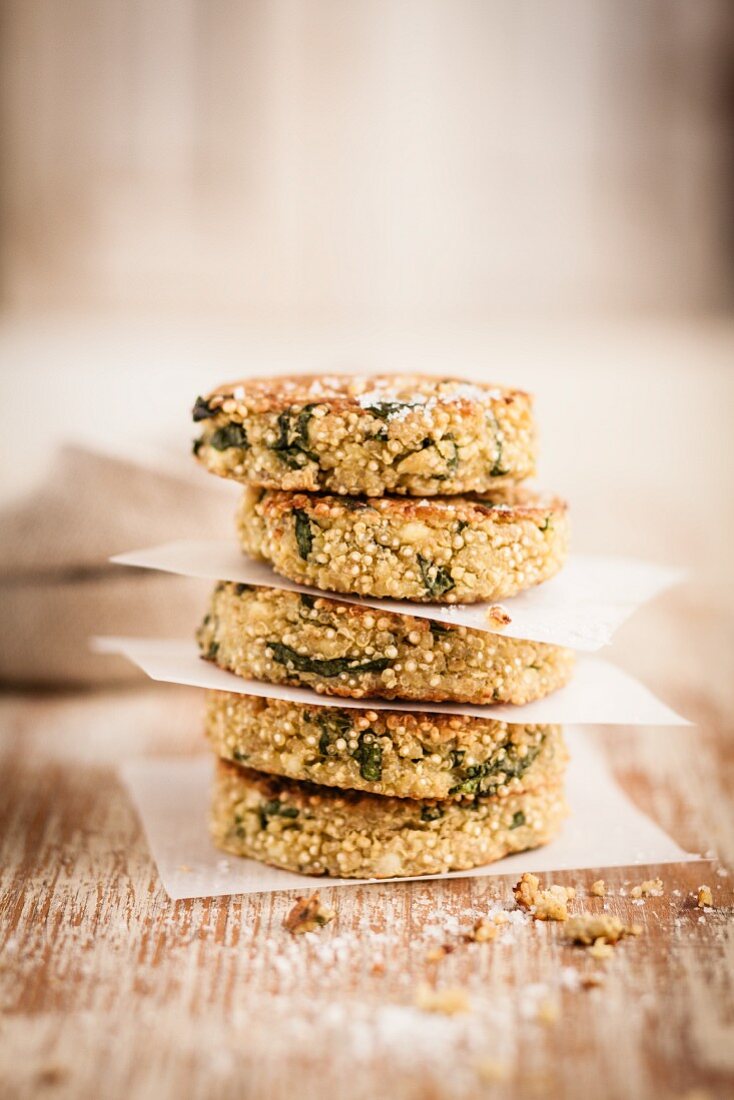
(399, 159)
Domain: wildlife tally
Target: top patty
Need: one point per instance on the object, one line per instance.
(409, 434)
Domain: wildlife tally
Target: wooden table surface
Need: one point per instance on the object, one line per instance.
(109, 989)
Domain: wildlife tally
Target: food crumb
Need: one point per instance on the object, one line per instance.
(705, 897)
(435, 954)
(498, 615)
(592, 930)
(307, 915)
(600, 949)
(484, 931)
(550, 904)
(592, 981)
(598, 889)
(449, 1001)
(652, 888)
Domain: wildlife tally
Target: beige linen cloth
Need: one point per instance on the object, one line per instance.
(57, 585)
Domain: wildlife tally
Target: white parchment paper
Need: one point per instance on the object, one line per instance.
(580, 608)
(599, 694)
(172, 797)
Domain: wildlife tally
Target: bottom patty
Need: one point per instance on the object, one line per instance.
(347, 834)
(386, 752)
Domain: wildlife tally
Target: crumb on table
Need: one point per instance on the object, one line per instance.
(652, 887)
(307, 915)
(544, 904)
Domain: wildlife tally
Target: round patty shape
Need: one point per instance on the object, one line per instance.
(350, 834)
(412, 434)
(438, 550)
(353, 651)
(385, 752)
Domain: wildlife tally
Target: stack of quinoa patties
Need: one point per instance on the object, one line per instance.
(399, 487)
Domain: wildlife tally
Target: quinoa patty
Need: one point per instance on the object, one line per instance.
(410, 434)
(442, 550)
(349, 834)
(350, 650)
(385, 752)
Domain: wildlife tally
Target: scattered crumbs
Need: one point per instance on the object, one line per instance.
(484, 930)
(550, 904)
(498, 616)
(491, 1071)
(722, 872)
(589, 928)
(676, 893)
(705, 897)
(435, 954)
(600, 949)
(592, 980)
(598, 889)
(651, 888)
(449, 1001)
(307, 915)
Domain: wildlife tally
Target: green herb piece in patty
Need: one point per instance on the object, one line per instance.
(386, 410)
(431, 813)
(518, 819)
(196, 446)
(331, 666)
(547, 524)
(275, 808)
(449, 452)
(202, 410)
(240, 589)
(304, 533)
(498, 468)
(212, 651)
(292, 444)
(422, 446)
(333, 724)
(484, 779)
(436, 578)
(231, 435)
(368, 755)
(438, 629)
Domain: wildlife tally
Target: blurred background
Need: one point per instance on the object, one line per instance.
(196, 190)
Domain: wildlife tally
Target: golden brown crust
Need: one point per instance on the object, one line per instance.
(321, 831)
(350, 650)
(438, 550)
(350, 434)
